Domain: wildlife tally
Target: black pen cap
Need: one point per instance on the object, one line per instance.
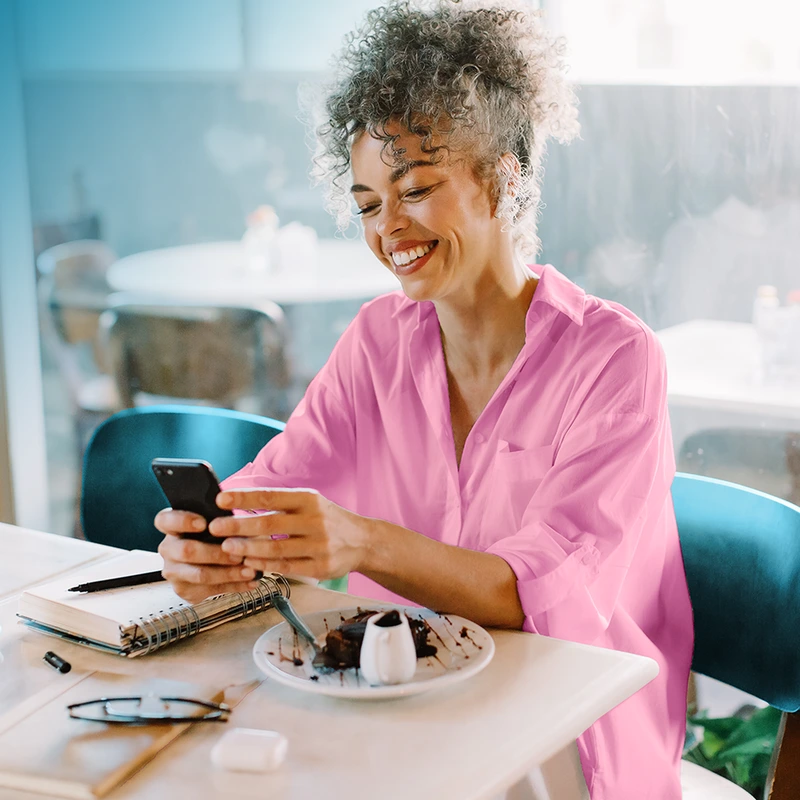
(57, 662)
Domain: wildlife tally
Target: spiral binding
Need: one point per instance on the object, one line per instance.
(175, 624)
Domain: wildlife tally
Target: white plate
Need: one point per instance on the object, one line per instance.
(463, 649)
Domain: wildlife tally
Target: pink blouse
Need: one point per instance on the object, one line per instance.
(566, 475)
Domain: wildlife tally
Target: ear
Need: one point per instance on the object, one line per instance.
(508, 175)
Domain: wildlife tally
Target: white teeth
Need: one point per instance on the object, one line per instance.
(407, 256)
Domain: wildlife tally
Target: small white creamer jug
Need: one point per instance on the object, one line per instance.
(388, 654)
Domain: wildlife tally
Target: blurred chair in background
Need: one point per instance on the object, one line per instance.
(765, 460)
(792, 445)
(231, 356)
(73, 293)
(741, 549)
(120, 495)
(84, 225)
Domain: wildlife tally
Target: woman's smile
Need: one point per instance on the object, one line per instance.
(408, 259)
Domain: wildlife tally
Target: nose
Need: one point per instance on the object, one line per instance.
(390, 220)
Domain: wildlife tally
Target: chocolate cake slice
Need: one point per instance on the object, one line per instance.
(343, 643)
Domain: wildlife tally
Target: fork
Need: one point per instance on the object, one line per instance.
(321, 661)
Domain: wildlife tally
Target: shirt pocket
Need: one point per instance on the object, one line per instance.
(517, 475)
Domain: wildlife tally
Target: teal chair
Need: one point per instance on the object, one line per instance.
(741, 549)
(119, 494)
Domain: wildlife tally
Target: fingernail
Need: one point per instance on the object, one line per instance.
(231, 546)
(198, 524)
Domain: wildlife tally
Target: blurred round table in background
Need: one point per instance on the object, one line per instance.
(219, 272)
(712, 383)
(319, 299)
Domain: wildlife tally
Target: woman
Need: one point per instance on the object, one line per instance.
(490, 441)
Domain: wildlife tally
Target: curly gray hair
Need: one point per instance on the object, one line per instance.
(481, 74)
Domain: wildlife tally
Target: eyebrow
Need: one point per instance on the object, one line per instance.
(398, 173)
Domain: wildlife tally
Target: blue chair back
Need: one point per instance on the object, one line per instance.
(741, 549)
(120, 496)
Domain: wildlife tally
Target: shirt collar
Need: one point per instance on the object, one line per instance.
(554, 290)
(558, 292)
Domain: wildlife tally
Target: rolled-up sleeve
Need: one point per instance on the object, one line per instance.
(592, 510)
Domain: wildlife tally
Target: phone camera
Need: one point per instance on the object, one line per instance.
(169, 472)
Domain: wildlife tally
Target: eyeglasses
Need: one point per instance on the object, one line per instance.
(148, 709)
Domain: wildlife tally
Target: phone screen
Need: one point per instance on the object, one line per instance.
(191, 485)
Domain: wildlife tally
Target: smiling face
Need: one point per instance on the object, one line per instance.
(433, 225)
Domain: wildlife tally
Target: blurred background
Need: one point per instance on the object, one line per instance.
(139, 125)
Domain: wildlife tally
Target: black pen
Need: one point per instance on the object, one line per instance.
(116, 583)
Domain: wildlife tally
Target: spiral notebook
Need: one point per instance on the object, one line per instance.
(134, 620)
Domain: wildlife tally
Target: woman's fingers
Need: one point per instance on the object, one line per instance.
(194, 593)
(177, 549)
(307, 567)
(268, 524)
(297, 555)
(195, 569)
(204, 574)
(295, 531)
(172, 521)
(286, 500)
(268, 548)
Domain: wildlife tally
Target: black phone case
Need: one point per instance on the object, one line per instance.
(191, 485)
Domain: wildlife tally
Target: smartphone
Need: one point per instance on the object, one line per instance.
(191, 485)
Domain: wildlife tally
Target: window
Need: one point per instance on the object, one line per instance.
(680, 41)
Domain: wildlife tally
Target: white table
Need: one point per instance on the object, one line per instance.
(712, 381)
(219, 271)
(29, 557)
(477, 739)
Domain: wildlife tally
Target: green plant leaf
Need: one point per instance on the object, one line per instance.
(738, 748)
(754, 747)
(739, 772)
(721, 726)
(763, 723)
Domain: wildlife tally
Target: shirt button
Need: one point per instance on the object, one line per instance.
(480, 438)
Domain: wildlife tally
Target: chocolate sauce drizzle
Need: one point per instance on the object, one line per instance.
(465, 632)
(295, 657)
(453, 642)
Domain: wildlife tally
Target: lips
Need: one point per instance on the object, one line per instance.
(416, 264)
(406, 252)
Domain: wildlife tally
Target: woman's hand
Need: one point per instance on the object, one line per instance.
(300, 532)
(195, 569)
(295, 531)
